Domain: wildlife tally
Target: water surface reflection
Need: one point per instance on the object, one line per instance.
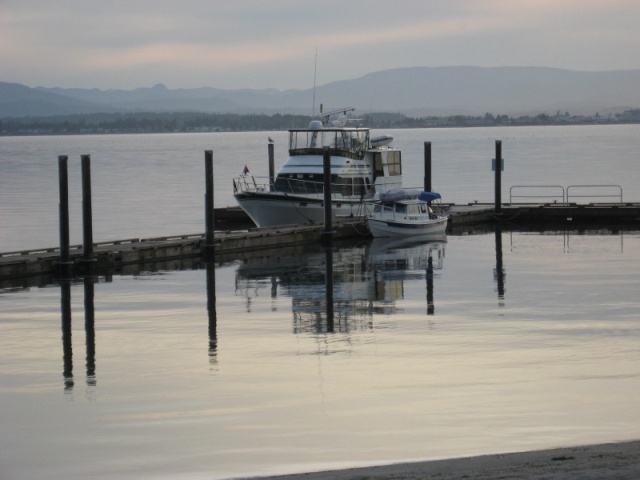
(338, 290)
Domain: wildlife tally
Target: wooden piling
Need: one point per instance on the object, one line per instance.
(427, 166)
(209, 214)
(326, 169)
(498, 177)
(87, 220)
(272, 168)
(63, 210)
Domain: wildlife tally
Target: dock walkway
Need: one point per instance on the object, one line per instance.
(111, 254)
(140, 250)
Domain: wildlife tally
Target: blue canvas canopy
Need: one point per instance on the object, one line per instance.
(399, 194)
(429, 196)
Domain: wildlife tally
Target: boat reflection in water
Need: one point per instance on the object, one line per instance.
(339, 290)
(396, 260)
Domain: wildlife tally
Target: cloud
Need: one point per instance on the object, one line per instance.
(184, 55)
(253, 43)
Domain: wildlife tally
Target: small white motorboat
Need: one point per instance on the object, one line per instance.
(405, 212)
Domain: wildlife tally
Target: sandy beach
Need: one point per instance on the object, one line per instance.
(619, 461)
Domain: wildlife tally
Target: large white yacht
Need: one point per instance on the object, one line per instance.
(361, 168)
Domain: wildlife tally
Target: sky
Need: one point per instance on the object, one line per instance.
(283, 44)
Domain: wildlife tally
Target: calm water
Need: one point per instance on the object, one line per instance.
(153, 185)
(423, 359)
(486, 343)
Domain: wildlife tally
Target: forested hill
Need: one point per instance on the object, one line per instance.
(113, 123)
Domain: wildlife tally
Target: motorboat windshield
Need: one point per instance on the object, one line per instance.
(348, 142)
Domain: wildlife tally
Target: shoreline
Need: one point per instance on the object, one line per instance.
(619, 461)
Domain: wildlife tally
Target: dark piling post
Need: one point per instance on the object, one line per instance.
(427, 166)
(498, 177)
(326, 169)
(63, 209)
(209, 214)
(87, 221)
(272, 168)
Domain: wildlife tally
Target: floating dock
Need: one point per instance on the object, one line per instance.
(112, 254)
(229, 242)
(546, 213)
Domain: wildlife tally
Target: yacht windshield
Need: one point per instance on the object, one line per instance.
(349, 142)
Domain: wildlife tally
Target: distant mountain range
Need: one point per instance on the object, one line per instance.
(418, 91)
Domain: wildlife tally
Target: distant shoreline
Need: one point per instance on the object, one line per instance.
(620, 461)
(194, 122)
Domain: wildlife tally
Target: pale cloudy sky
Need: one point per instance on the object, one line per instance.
(272, 43)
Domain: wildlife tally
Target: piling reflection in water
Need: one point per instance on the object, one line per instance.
(339, 290)
(90, 330)
(211, 311)
(499, 273)
(67, 347)
(328, 285)
(67, 326)
(431, 308)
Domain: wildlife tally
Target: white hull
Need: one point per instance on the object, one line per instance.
(392, 228)
(268, 210)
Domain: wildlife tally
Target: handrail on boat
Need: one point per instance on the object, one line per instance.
(248, 183)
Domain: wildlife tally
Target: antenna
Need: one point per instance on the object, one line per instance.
(315, 70)
(326, 117)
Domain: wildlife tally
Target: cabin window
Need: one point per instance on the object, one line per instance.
(346, 188)
(281, 184)
(394, 163)
(400, 208)
(377, 208)
(348, 142)
(298, 183)
(418, 208)
(341, 186)
(377, 164)
(313, 143)
(340, 142)
(358, 186)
